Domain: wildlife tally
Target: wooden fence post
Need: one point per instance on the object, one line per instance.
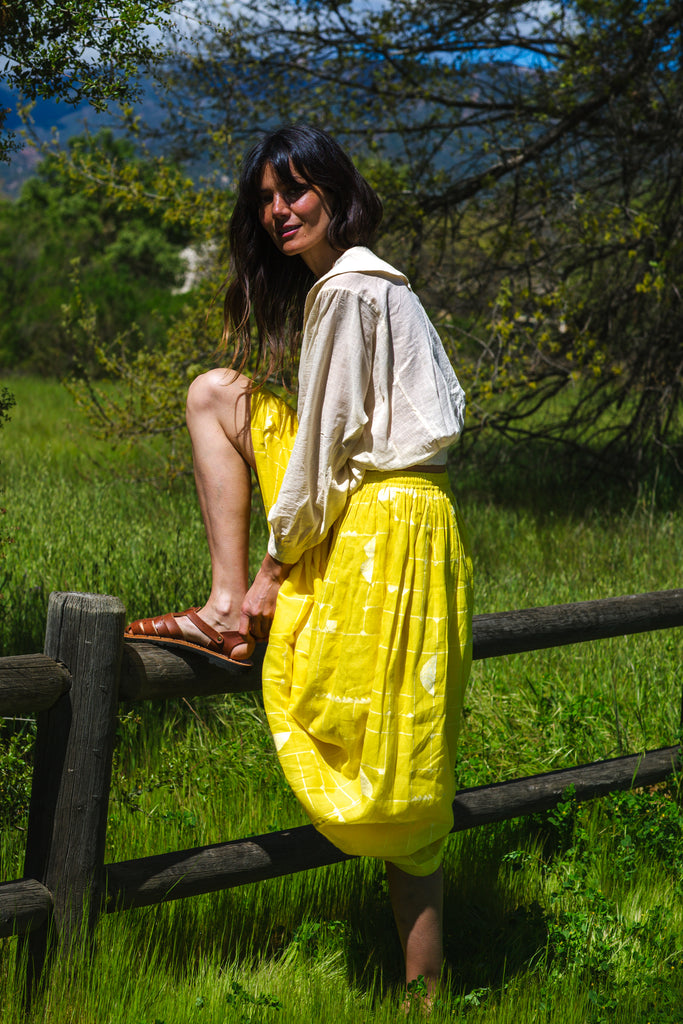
(72, 770)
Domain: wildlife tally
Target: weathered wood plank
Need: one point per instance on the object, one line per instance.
(30, 683)
(150, 672)
(72, 770)
(502, 800)
(169, 876)
(532, 629)
(24, 905)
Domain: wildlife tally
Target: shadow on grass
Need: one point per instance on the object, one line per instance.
(491, 931)
(489, 934)
(343, 915)
(547, 479)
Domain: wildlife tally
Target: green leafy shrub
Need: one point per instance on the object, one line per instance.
(16, 767)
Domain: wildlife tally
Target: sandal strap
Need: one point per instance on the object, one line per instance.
(233, 639)
(165, 625)
(159, 626)
(203, 627)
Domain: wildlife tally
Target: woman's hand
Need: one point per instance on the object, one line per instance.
(258, 607)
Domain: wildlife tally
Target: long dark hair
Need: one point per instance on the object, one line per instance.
(266, 283)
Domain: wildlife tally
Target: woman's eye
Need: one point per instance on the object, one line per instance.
(289, 197)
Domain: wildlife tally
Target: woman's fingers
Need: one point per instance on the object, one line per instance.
(258, 607)
(245, 625)
(256, 625)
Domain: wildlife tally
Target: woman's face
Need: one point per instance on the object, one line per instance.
(296, 217)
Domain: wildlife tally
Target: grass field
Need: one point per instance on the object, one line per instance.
(573, 916)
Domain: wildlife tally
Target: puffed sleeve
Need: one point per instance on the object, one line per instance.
(334, 375)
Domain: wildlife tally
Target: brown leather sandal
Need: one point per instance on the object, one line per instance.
(164, 631)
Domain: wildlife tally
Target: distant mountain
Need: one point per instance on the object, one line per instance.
(63, 119)
(66, 120)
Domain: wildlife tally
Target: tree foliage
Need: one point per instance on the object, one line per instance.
(529, 156)
(65, 240)
(530, 159)
(76, 50)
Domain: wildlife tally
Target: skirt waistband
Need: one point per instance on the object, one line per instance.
(414, 477)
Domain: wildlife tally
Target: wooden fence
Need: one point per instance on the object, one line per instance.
(75, 688)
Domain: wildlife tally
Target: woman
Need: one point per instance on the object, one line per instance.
(365, 590)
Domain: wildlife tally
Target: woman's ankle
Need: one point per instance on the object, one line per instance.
(222, 613)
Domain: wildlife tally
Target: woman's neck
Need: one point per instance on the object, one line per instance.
(320, 261)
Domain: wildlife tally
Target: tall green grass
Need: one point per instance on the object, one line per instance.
(572, 916)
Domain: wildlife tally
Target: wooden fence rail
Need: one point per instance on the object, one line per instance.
(30, 683)
(75, 687)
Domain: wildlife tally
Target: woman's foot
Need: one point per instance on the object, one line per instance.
(221, 623)
(189, 631)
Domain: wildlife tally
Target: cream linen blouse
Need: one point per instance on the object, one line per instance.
(376, 391)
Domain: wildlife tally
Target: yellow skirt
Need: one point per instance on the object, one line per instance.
(369, 654)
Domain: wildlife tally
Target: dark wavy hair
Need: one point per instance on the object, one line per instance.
(263, 281)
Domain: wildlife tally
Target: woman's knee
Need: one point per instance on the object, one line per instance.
(214, 392)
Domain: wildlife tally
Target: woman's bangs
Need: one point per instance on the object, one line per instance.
(286, 162)
(280, 162)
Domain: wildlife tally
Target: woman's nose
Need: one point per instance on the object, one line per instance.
(280, 207)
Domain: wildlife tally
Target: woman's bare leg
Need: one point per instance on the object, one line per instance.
(417, 902)
(219, 422)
